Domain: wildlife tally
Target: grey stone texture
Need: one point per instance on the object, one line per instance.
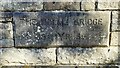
(115, 20)
(17, 5)
(87, 56)
(41, 29)
(6, 43)
(65, 66)
(27, 6)
(59, 33)
(115, 38)
(6, 5)
(88, 5)
(61, 6)
(6, 29)
(5, 15)
(108, 4)
(32, 56)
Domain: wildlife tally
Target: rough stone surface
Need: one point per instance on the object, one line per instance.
(5, 15)
(6, 43)
(88, 5)
(20, 5)
(6, 5)
(108, 4)
(61, 6)
(115, 20)
(6, 35)
(6, 26)
(6, 31)
(86, 56)
(5, 19)
(14, 56)
(28, 6)
(65, 66)
(79, 37)
(115, 38)
(47, 29)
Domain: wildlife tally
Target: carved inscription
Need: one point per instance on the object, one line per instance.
(61, 28)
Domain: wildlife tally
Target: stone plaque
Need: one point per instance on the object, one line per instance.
(40, 29)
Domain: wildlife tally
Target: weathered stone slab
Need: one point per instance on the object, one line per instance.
(87, 56)
(14, 56)
(88, 5)
(108, 4)
(61, 5)
(28, 6)
(115, 20)
(62, 28)
(115, 38)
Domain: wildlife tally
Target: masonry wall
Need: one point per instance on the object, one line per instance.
(24, 25)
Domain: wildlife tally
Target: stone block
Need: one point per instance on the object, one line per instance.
(115, 20)
(108, 4)
(115, 38)
(27, 6)
(6, 29)
(61, 6)
(6, 5)
(87, 56)
(14, 56)
(41, 29)
(88, 5)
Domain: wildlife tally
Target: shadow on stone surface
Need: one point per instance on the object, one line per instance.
(119, 28)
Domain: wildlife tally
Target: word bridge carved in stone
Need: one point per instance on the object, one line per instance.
(40, 29)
